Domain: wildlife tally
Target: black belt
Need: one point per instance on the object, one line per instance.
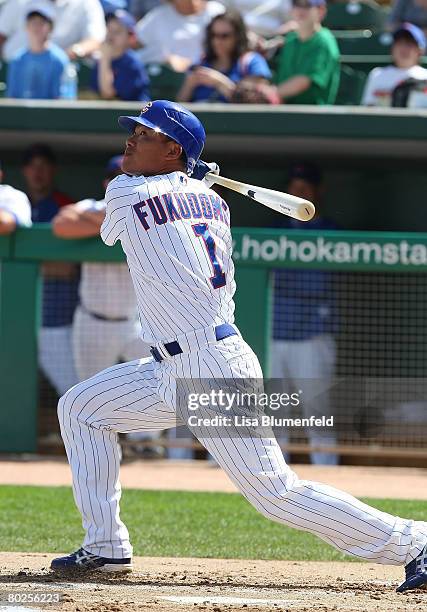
(221, 331)
(100, 317)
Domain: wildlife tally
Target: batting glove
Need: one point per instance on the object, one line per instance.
(202, 168)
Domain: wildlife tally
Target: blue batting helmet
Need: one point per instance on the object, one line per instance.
(174, 121)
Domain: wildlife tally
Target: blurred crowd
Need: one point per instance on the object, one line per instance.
(240, 51)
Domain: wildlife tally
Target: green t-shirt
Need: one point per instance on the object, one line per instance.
(318, 59)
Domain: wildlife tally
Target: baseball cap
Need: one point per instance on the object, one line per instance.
(125, 18)
(114, 164)
(306, 171)
(414, 31)
(45, 8)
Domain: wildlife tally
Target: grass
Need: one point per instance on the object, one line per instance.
(168, 523)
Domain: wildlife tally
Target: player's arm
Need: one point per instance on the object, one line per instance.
(15, 212)
(7, 222)
(71, 222)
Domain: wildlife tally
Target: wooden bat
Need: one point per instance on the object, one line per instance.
(284, 203)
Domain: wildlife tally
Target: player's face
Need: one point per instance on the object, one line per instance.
(39, 174)
(405, 52)
(303, 189)
(149, 152)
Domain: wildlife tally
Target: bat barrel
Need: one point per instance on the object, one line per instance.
(284, 203)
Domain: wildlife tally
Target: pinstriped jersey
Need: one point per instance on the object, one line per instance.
(175, 233)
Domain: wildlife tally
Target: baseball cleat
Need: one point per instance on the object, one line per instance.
(83, 560)
(415, 573)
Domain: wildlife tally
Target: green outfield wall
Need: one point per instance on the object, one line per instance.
(256, 253)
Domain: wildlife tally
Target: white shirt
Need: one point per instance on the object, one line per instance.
(106, 288)
(176, 235)
(164, 31)
(263, 18)
(382, 81)
(75, 20)
(16, 203)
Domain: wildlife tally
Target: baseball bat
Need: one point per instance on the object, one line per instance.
(284, 203)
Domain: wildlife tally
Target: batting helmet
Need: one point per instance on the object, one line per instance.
(174, 121)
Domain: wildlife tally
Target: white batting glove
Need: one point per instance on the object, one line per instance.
(201, 170)
(214, 169)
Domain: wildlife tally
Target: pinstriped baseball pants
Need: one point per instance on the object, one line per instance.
(140, 395)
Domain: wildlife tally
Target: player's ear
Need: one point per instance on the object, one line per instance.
(174, 151)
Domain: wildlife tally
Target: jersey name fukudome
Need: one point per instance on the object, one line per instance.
(176, 235)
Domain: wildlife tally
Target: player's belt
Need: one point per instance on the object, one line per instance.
(100, 317)
(173, 348)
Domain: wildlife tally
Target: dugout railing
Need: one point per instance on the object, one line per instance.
(379, 291)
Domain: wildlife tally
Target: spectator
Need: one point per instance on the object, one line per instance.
(264, 19)
(119, 72)
(308, 68)
(412, 11)
(60, 280)
(227, 61)
(15, 209)
(109, 6)
(36, 71)
(139, 8)
(305, 320)
(79, 27)
(408, 46)
(173, 33)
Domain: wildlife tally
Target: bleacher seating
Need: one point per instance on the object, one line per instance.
(366, 43)
(355, 15)
(351, 86)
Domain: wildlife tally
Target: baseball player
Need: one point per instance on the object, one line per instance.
(303, 349)
(175, 232)
(15, 208)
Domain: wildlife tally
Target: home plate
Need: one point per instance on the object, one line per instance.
(185, 599)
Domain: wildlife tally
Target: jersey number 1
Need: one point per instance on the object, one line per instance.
(202, 231)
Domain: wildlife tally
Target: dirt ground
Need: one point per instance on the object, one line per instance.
(397, 483)
(212, 585)
(174, 585)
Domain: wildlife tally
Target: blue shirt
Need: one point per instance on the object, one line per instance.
(250, 64)
(60, 296)
(36, 75)
(131, 81)
(304, 300)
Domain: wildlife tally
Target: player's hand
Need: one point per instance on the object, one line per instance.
(202, 168)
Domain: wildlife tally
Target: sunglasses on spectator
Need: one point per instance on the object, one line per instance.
(222, 35)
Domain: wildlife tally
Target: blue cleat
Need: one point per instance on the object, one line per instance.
(416, 573)
(82, 560)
